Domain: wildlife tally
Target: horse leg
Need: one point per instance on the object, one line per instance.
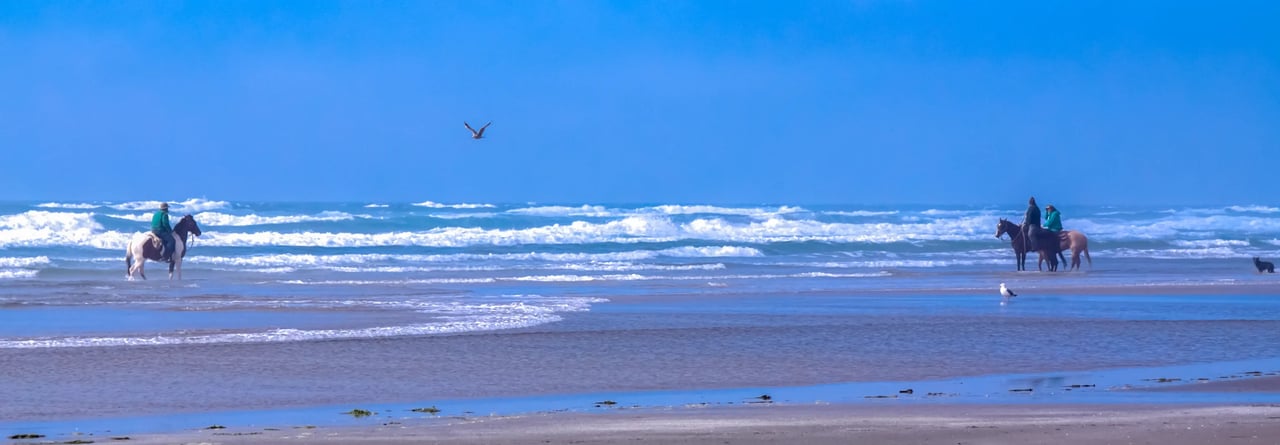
(136, 268)
(142, 271)
(179, 250)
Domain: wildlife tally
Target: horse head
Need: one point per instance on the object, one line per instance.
(188, 223)
(1000, 227)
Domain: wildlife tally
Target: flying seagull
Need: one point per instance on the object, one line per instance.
(476, 134)
(1006, 293)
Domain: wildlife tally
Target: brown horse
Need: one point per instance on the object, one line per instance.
(1073, 240)
(145, 246)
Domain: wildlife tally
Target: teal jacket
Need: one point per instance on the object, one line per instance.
(1053, 221)
(160, 222)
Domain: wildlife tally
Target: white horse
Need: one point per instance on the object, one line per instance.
(145, 246)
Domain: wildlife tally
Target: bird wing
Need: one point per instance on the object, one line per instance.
(1011, 293)
(473, 131)
(481, 132)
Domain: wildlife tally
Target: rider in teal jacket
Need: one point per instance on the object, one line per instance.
(1052, 219)
(1053, 223)
(160, 227)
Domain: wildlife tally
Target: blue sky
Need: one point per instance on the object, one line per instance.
(850, 102)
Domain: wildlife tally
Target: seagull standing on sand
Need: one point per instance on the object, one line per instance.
(476, 134)
(1006, 293)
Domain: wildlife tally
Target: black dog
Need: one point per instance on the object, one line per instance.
(1264, 265)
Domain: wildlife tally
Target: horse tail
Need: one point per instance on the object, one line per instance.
(1087, 257)
(128, 262)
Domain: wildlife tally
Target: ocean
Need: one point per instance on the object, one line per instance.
(298, 305)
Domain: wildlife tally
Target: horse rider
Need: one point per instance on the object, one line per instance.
(161, 229)
(1031, 226)
(1053, 223)
(1052, 219)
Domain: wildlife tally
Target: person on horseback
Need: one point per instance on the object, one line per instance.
(1031, 225)
(1052, 219)
(1053, 223)
(161, 229)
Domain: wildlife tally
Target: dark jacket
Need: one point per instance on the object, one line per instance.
(160, 222)
(1032, 218)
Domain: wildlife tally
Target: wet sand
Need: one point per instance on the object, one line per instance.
(808, 424)
(1262, 384)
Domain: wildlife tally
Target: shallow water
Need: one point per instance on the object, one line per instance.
(638, 343)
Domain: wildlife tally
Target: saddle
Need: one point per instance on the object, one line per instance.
(155, 241)
(154, 248)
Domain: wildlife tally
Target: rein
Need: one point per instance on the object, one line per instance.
(187, 242)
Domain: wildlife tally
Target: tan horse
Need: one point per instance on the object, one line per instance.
(1074, 240)
(144, 246)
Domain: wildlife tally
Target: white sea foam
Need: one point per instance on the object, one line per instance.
(942, 212)
(222, 219)
(376, 206)
(341, 260)
(627, 267)
(640, 277)
(1254, 209)
(289, 335)
(904, 264)
(584, 210)
(409, 269)
(436, 205)
(596, 211)
(268, 270)
(785, 230)
(715, 210)
(11, 262)
(390, 282)
(44, 228)
(1204, 243)
(628, 230)
(1176, 227)
(76, 206)
(862, 213)
(189, 206)
(463, 215)
(216, 219)
(581, 278)
(7, 274)
(136, 217)
(448, 316)
(1171, 254)
(711, 252)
